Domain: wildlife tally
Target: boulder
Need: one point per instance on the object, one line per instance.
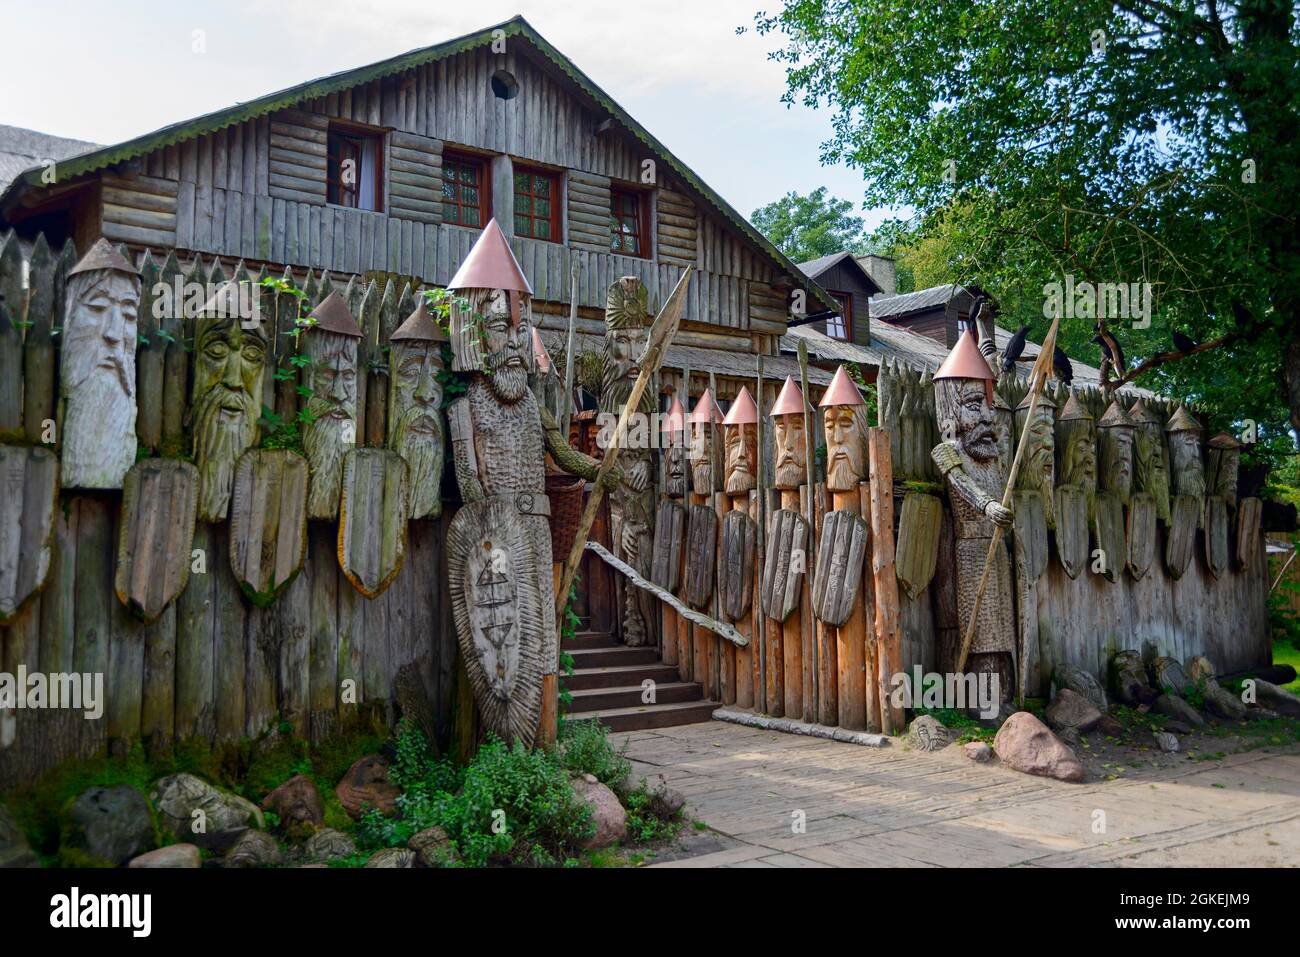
(1081, 682)
(366, 785)
(207, 816)
(1178, 709)
(1128, 679)
(1110, 726)
(392, 857)
(432, 847)
(1069, 736)
(978, 751)
(1170, 677)
(1278, 699)
(606, 813)
(297, 803)
(1174, 726)
(14, 849)
(253, 849)
(1069, 709)
(181, 856)
(666, 802)
(927, 733)
(1167, 742)
(109, 824)
(328, 845)
(1024, 743)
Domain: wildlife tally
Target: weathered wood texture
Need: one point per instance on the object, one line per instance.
(1249, 511)
(268, 522)
(669, 546)
(373, 519)
(155, 533)
(1108, 533)
(1072, 529)
(785, 563)
(1216, 535)
(736, 564)
(841, 550)
(29, 483)
(1141, 533)
(918, 541)
(701, 552)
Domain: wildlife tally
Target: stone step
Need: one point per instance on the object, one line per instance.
(652, 715)
(629, 696)
(619, 676)
(613, 655)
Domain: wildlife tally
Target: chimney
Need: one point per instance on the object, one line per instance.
(881, 269)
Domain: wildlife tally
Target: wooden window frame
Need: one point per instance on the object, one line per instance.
(847, 316)
(642, 197)
(358, 131)
(557, 204)
(484, 163)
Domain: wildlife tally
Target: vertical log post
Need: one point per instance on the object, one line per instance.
(851, 642)
(889, 635)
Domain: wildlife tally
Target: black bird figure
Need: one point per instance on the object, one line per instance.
(1111, 348)
(1015, 346)
(1061, 365)
(1184, 343)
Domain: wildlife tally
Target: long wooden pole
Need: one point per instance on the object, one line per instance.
(810, 551)
(756, 606)
(1042, 366)
(570, 361)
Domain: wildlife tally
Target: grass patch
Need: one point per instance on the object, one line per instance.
(1285, 653)
(964, 728)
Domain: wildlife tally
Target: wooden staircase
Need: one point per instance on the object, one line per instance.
(606, 685)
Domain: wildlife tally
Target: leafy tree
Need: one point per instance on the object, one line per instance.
(806, 227)
(1139, 141)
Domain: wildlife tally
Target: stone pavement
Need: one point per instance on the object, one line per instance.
(888, 807)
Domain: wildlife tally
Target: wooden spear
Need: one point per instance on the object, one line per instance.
(1038, 379)
(661, 334)
(570, 361)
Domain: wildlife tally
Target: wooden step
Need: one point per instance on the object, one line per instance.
(651, 715)
(629, 696)
(619, 676)
(613, 655)
(585, 640)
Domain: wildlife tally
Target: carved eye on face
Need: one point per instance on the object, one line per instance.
(253, 351)
(216, 349)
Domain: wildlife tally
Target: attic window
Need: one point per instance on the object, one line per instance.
(354, 159)
(504, 85)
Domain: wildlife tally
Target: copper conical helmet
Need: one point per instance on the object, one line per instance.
(841, 391)
(491, 265)
(743, 411)
(419, 325)
(790, 401)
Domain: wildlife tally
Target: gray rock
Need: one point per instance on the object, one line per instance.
(1174, 726)
(253, 849)
(109, 824)
(14, 849)
(978, 751)
(1167, 742)
(431, 846)
(1218, 700)
(1277, 699)
(1072, 710)
(1069, 736)
(1024, 743)
(1169, 676)
(184, 856)
(666, 802)
(223, 819)
(328, 845)
(1110, 726)
(1178, 709)
(1128, 679)
(392, 857)
(1081, 682)
(296, 802)
(607, 814)
(927, 733)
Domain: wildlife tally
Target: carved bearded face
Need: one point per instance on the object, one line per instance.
(742, 446)
(509, 348)
(1149, 472)
(229, 369)
(675, 482)
(846, 448)
(97, 379)
(967, 418)
(1079, 459)
(1185, 455)
(1039, 468)
(701, 459)
(791, 450)
(332, 378)
(415, 420)
(1117, 460)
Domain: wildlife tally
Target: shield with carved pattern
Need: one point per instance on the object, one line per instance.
(1072, 529)
(785, 560)
(736, 564)
(498, 613)
(840, 555)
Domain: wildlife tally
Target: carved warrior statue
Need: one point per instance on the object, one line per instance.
(788, 439)
(631, 506)
(670, 519)
(1185, 454)
(1150, 465)
(1223, 461)
(739, 530)
(844, 533)
(1038, 470)
(785, 559)
(415, 428)
(331, 377)
(845, 422)
(968, 459)
(97, 372)
(499, 544)
(676, 478)
(740, 436)
(226, 397)
(1117, 430)
(706, 463)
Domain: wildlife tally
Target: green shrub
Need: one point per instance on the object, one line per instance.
(585, 749)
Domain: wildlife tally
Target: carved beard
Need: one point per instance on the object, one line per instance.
(616, 386)
(322, 440)
(1189, 475)
(701, 462)
(1080, 463)
(98, 432)
(789, 475)
(844, 472)
(676, 483)
(508, 382)
(220, 437)
(423, 451)
(740, 474)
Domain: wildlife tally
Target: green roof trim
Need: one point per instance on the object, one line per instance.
(347, 79)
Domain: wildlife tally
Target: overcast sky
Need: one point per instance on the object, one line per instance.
(109, 71)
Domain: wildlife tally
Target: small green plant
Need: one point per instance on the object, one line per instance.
(643, 826)
(285, 431)
(585, 749)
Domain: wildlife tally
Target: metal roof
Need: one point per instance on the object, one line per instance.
(922, 299)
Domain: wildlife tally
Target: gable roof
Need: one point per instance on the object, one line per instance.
(346, 79)
(21, 149)
(815, 268)
(883, 307)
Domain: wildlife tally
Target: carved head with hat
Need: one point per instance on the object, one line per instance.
(706, 461)
(740, 435)
(1150, 461)
(963, 396)
(331, 377)
(844, 418)
(1076, 446)
(1186, 466)
(1116, 429)
(673, 428)
(415, 429)
(1038, 471)
(790, 448)
(627, 333)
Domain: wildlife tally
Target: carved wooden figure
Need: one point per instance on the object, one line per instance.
(332, 378)
(1140, 533)
(676, 464)
(268, 522)
(1249, 510)
(97, 383)
(1076, 449)
(1217, 532)
(1186, 468)
(1117, 430)
(1038, 470)
(226, 395)
(1150, 463)
(29, 494)
(786, 559)
(415, 430)
(705, 454)
(701, 554)
(1181, 540)
(155, 534)
(1222, 461)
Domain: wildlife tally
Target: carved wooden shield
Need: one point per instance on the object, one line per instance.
(1108, 530)
(268, 522)
(160, 498)
(373, 518)
(1141, 533)
(1072, 529)
(1184, 517)
(670, 540)
(701, 554)
(839, 566)
(918, 541)
(1249, 511)
(736, 563)
(1031, 533)
(497, 608)
(784, 563)
(30, 492)
(1216, 535)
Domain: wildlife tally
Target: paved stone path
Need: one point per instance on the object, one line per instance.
(895, 808)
